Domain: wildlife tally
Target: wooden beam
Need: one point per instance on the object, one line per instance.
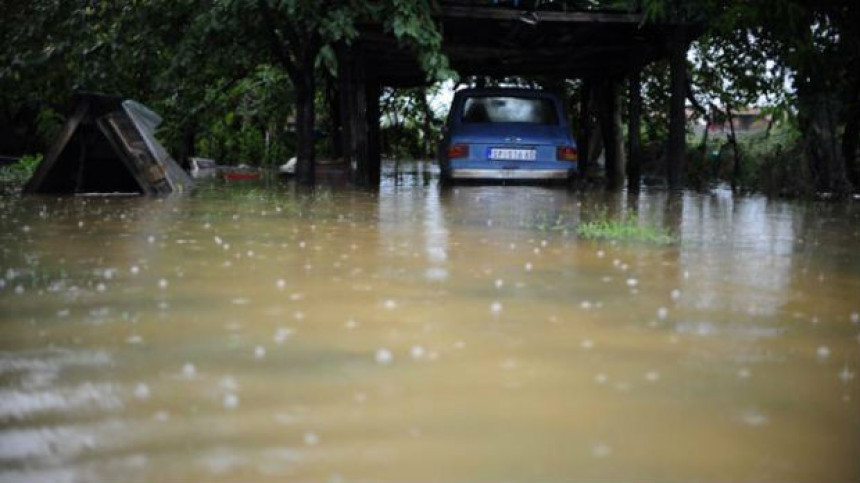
(505, 14)
(35, 182)
(676, 148)
(634, 159)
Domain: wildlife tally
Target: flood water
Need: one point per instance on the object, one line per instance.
(427, 334)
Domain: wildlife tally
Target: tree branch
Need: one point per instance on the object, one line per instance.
(276, 43)
(690, 97)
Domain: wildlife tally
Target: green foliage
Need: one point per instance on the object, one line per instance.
(775, 165)
(412, 24)
(411, 129)
(245, 119)
(13, 176)
(194, 62)
(655, 102)
(628, 229)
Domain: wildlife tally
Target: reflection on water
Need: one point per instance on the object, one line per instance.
(426, 334)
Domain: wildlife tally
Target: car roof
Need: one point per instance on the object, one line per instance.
(507, 91)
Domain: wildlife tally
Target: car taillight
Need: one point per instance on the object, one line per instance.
(458, 151)
(566, 153)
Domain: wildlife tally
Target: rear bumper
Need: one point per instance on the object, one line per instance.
(536, 174)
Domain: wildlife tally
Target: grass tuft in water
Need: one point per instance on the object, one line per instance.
(627, 229)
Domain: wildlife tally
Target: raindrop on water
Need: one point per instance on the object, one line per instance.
(141, 391)
(162, 284)
(499, 283)
(632, 282)
(311, 439)
(496, 307)
(280, 283)
(586, 344)
(282, 334)
(855, 318)
(662, 313)
(417, 352)
(189, 371)
(823, 352)
(601, 450)
(383, 356)
(754, 418)
(230, 401)
(652, 376)
(259, 352)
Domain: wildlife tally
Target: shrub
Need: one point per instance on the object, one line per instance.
(13, 176)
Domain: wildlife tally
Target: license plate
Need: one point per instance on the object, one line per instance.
(507, 154)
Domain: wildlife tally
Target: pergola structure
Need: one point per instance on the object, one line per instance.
(483, 38)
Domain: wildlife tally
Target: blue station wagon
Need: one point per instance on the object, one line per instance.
(507, 134)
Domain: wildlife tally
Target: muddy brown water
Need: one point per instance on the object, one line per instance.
(422, 334)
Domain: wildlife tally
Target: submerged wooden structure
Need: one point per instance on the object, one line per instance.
(108, 146)
(481, 38)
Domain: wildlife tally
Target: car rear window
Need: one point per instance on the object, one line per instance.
(500, 109)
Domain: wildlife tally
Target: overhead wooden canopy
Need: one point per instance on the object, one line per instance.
(481, 39)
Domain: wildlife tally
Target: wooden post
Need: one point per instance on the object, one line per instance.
(374, 160)
(333, 102)
(354, 111)
(584, 126)
(346, 96)
(634, 160)
(610, 128)
(305, 92)
(736, 155)
(676, 147)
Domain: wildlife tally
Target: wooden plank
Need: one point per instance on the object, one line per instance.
(132, 149)
(47, 164)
